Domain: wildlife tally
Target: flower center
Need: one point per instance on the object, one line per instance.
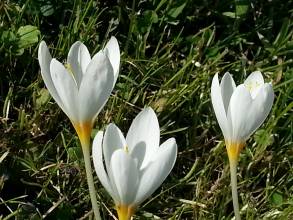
(252, 86)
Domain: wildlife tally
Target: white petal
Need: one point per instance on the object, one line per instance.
(219, 108)
(112, 51)
(45, 58)
(125, 176)
(99, 166)
(139, 154)
(78, 58)
(259, 109)
(157, 171)
(254, 82)
(144, 134)
(239, 105)
(113, 140)
(95, 87)
(227, 88)
(66, 88)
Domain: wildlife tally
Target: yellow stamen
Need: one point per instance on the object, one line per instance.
(234, 149)
(126, 149)
(69, 68)
(70, 71)
(125, 212)
(252, 86)
(83, 131)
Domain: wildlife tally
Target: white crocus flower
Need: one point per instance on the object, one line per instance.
(81, 88)
(136, 166)
(240, 111)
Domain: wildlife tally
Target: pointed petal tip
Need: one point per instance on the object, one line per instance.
(54, 61)
(97, 142)
(77, 43)
(149, 113)
(99, 134)
(255, 76)
(149, 110)
(171, 142)
(227, 74)
(42, 43)
(113, 45)
(216, 75)
(215, 80)
(257, 72)
(82, 45)
(111, 126)
(112, 51)
(215, 83)
(42, 50)
(113, 39)
(75, 46)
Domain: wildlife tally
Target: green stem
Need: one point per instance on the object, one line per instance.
(90, 180)
(233, 174)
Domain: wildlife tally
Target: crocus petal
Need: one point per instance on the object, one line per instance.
(139, 153)
(95, 87)
(259, 109)
(66, 88)
(227, 88)
(144, 133)
(99, 166)
(125, 176)
(45, 58)
(254, 83)
(78, 59)
(157, 171)
(240, 102)
(112, 51)
(219, 108)
(113, 140)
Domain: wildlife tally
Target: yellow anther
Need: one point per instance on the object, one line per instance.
(252, 86)
(69, 68)
(126, 149)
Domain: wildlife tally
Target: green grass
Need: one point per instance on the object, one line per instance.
(42, 173)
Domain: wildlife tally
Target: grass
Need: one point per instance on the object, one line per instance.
(170, 50)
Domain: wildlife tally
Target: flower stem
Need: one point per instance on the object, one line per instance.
(83, 131)
(90, 179)
(233, 174)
